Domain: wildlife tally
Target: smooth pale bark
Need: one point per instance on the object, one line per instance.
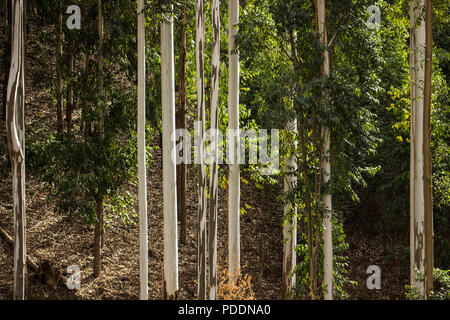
(200, 132)
(214, 173)
(234, 177)
(290, 228)
(15, 127)
(142, 171)
(427, 174)
(419, 205)
(59, 81)
(326, 169)
(412, 169)
(169, 165)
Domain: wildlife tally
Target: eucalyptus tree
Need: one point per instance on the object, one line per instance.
(15, 127)
(234, 211)
(200, 132)
(214, 152)
(325, 164)
(417, 40)
(169, 165)
(141, 121)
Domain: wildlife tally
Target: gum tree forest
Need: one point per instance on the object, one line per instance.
(225, 150)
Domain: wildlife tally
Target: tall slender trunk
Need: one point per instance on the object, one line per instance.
(142, 171)
(180, 124)
(326, 168)
(169, 167)
(100, 85)
(200, 133)
(234, 211)
(59, 81)
(98, 234)
(290, 228)
(214, 173)
(419, 77)
(427, 174)
(16, 144)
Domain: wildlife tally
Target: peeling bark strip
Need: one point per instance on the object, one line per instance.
(15, 128)
(214, 174)
(326, 168)
(169, 167)
(199, 41)
(234, 212)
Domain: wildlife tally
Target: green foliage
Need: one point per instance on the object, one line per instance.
(281, 62)
(340, 264)
(441, 282)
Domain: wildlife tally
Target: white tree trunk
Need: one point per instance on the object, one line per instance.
(290, 228)
(326, 169)
(15, 126)
(200, 44)
(419, 77)
(234, 212)
(142, 172)
(214, 174)
(169, 164)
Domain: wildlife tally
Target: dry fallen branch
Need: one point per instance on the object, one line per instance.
(30, 262)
